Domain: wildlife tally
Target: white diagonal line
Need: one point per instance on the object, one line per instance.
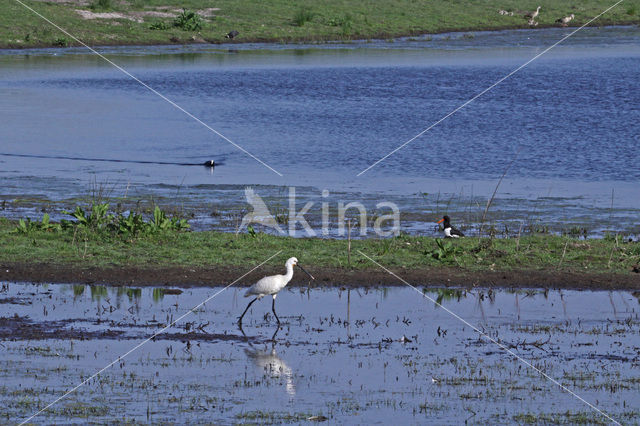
(154, 91)
(148, 339)
(487, 89)
(500, 345)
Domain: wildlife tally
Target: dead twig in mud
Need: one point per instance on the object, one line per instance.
(126, 190)
(518, 239)
(84, 253)
(563, 254)
(349, 243)
(611, 254)
(473, 414)
(538, 344)
(529, 293)
(181, 211)
(611, 209)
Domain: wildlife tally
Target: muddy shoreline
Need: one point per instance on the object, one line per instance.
(325, 277)
(310, 39)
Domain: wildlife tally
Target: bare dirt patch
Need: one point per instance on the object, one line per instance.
(208, 12)
(154, 14)
(68, 2)
(87, 14)
(139, 16)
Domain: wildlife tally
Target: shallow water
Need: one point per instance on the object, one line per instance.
(364, 356)
(320, 114)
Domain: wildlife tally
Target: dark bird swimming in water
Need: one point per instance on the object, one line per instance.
(232, 34)
(450, 231)
(209, 163)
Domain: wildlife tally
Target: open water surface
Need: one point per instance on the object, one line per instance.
(382, 356)
(320, 114)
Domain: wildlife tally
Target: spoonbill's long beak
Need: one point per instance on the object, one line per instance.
(440, 221)
(305, 271)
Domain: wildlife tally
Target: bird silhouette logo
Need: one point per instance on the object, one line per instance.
(260, 213)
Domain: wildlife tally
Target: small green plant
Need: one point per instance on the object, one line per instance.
(97, 218)
(302, 16)
(161, 222)
(444, 251)
(632, 11)
(61, 42)
(346, 25)
(159, 26)
(46, 225)
(344, 22)
(385, 246)
(131, 225)
(576, 232)
(252, 232)
(101, 4)
(536, 228)
(27, 226)
(281, 215)
(188, 20)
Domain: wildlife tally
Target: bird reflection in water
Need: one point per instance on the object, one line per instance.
(269, 363)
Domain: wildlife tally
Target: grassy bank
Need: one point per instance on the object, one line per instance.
(164, 21)
(82, 247)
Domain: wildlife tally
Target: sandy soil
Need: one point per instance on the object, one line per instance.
(217, 276)
(87, 14)
(138, 16)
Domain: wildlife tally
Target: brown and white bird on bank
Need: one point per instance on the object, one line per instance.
(450, 231)
(533, 15)
(564, 21)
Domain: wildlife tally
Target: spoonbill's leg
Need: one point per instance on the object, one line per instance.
(245, 311)
(273, 308)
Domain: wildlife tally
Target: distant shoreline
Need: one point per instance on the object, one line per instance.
(111, 23)
(302, 41)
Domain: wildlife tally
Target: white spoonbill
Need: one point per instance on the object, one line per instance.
(272, 285)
